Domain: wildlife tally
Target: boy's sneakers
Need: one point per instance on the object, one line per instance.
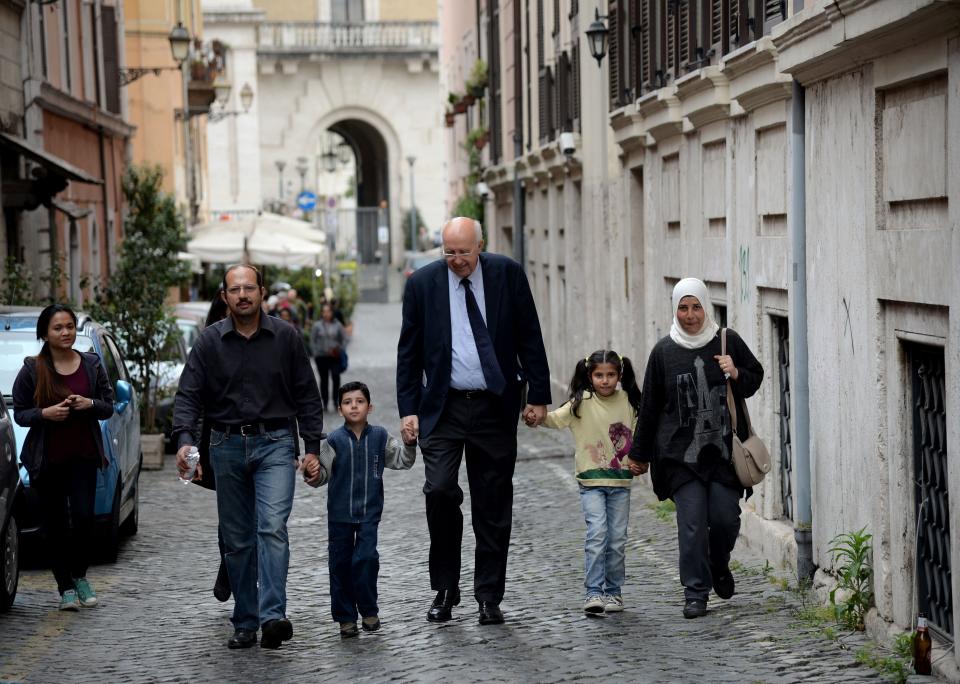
(85, 593)
(69, 600)
(370, 624)
(348, 630)
(613, 604)
(593, 605)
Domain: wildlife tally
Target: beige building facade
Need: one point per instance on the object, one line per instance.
(721, 140)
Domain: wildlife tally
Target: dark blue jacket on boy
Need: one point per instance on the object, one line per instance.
(353, 468)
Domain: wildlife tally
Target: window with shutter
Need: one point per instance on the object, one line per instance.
(632, 36)
(495, 82)
(738, 21)
(111, 62)
(556, 18)
(564, 100)
(613, 50)
(683, 36)
(542, 106)
(554, 102)
(774, 11)
(575, 86)
(670, 38)
(540, 36)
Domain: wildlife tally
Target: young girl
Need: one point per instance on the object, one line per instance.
(602, 417)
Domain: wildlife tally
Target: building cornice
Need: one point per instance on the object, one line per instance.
(58, 102)
(754, 76)
(821, 42)
(704, 96)
(628, 128)
(661, 113)
(238, 16)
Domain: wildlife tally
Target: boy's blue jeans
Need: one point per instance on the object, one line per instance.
(606, 511)
(255, 480)
(354, 566)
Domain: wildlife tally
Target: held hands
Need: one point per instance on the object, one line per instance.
(310, 465)
(637, 468)
(182, 467)
(534, 414)
(409, 429)
(726, 365)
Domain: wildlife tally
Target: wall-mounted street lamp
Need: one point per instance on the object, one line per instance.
(280, 164)
(302, 168)
(597, 34)
(222, 90)
(179, 39)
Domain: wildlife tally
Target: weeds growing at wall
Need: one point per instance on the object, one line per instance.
(852, 553)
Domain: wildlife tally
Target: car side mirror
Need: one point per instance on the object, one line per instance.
(123, 393)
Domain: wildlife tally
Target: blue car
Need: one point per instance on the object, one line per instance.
(117, 501)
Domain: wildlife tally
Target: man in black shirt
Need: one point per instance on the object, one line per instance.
(250, 377)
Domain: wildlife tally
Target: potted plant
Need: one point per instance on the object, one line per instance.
(477, 82)
(477, 138)
(450, 118)
(459, 106)
(133, 303)
(469, 99)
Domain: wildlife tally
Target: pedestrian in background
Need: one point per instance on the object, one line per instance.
(470, 343)
(352, 461)
(328, 341)
(61, 395)
(205, 476)
(602, 417)
(685, 423)
(250, 377)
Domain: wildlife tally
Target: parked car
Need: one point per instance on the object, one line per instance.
(417, 260)
(190, 331)
(9, 490)
(191, 319)
(116, 505)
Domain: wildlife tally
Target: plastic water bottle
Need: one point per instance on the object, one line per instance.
(193, 458)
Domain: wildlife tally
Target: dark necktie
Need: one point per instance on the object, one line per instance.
(481, 336)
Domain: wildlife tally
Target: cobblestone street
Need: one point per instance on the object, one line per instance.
(158, 620)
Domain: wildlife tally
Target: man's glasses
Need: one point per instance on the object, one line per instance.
(245, 289)
(457, 255)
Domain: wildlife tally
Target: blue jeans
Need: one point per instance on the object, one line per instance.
(255, 480)
(354, 566)
(606, 511)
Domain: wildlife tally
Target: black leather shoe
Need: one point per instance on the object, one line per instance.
(446, 599)
(276, 632)
(694, 608)
(490, 614)
(221, 588)
(242, 638)
(723, 583)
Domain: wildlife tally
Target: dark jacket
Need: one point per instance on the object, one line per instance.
(26, 413)
(425, 349)
(355, 467)
(683, 426)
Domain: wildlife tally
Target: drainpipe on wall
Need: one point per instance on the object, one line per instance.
(803, 521)
(518, 203)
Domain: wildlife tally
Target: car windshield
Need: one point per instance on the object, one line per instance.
(420, 262)
(17, 345)
(190, 331)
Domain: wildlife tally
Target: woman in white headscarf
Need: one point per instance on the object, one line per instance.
(683, 430)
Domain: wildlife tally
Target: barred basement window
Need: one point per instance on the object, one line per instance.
(781, 327)
(928, 398)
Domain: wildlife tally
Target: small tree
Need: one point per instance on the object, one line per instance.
(133, 303)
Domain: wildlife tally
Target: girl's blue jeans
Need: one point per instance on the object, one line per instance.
(606, 511)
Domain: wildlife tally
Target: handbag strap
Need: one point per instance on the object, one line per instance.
(730, 405)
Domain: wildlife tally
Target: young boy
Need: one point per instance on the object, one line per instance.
(352, 460)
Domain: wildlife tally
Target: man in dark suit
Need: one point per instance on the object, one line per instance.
(469, 344)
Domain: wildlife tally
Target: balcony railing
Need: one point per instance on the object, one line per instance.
(365, 37)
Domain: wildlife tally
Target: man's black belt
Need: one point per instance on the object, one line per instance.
(250, 429)
(471, 393)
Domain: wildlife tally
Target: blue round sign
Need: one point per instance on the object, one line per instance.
(307, 200)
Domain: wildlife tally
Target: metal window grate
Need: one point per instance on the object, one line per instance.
(786, 449)
(934, 595)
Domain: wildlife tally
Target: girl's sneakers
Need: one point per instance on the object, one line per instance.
(370, 624)
(613, 604)
(348, 630)
(69, 600)
(593, 605)
(85, 593)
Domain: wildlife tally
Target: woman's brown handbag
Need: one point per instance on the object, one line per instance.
(751, 459)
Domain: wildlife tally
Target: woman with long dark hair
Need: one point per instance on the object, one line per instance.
(61, 395)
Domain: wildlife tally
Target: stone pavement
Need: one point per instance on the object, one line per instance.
(158, 621)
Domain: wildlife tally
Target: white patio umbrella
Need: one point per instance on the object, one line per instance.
(263, 239)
